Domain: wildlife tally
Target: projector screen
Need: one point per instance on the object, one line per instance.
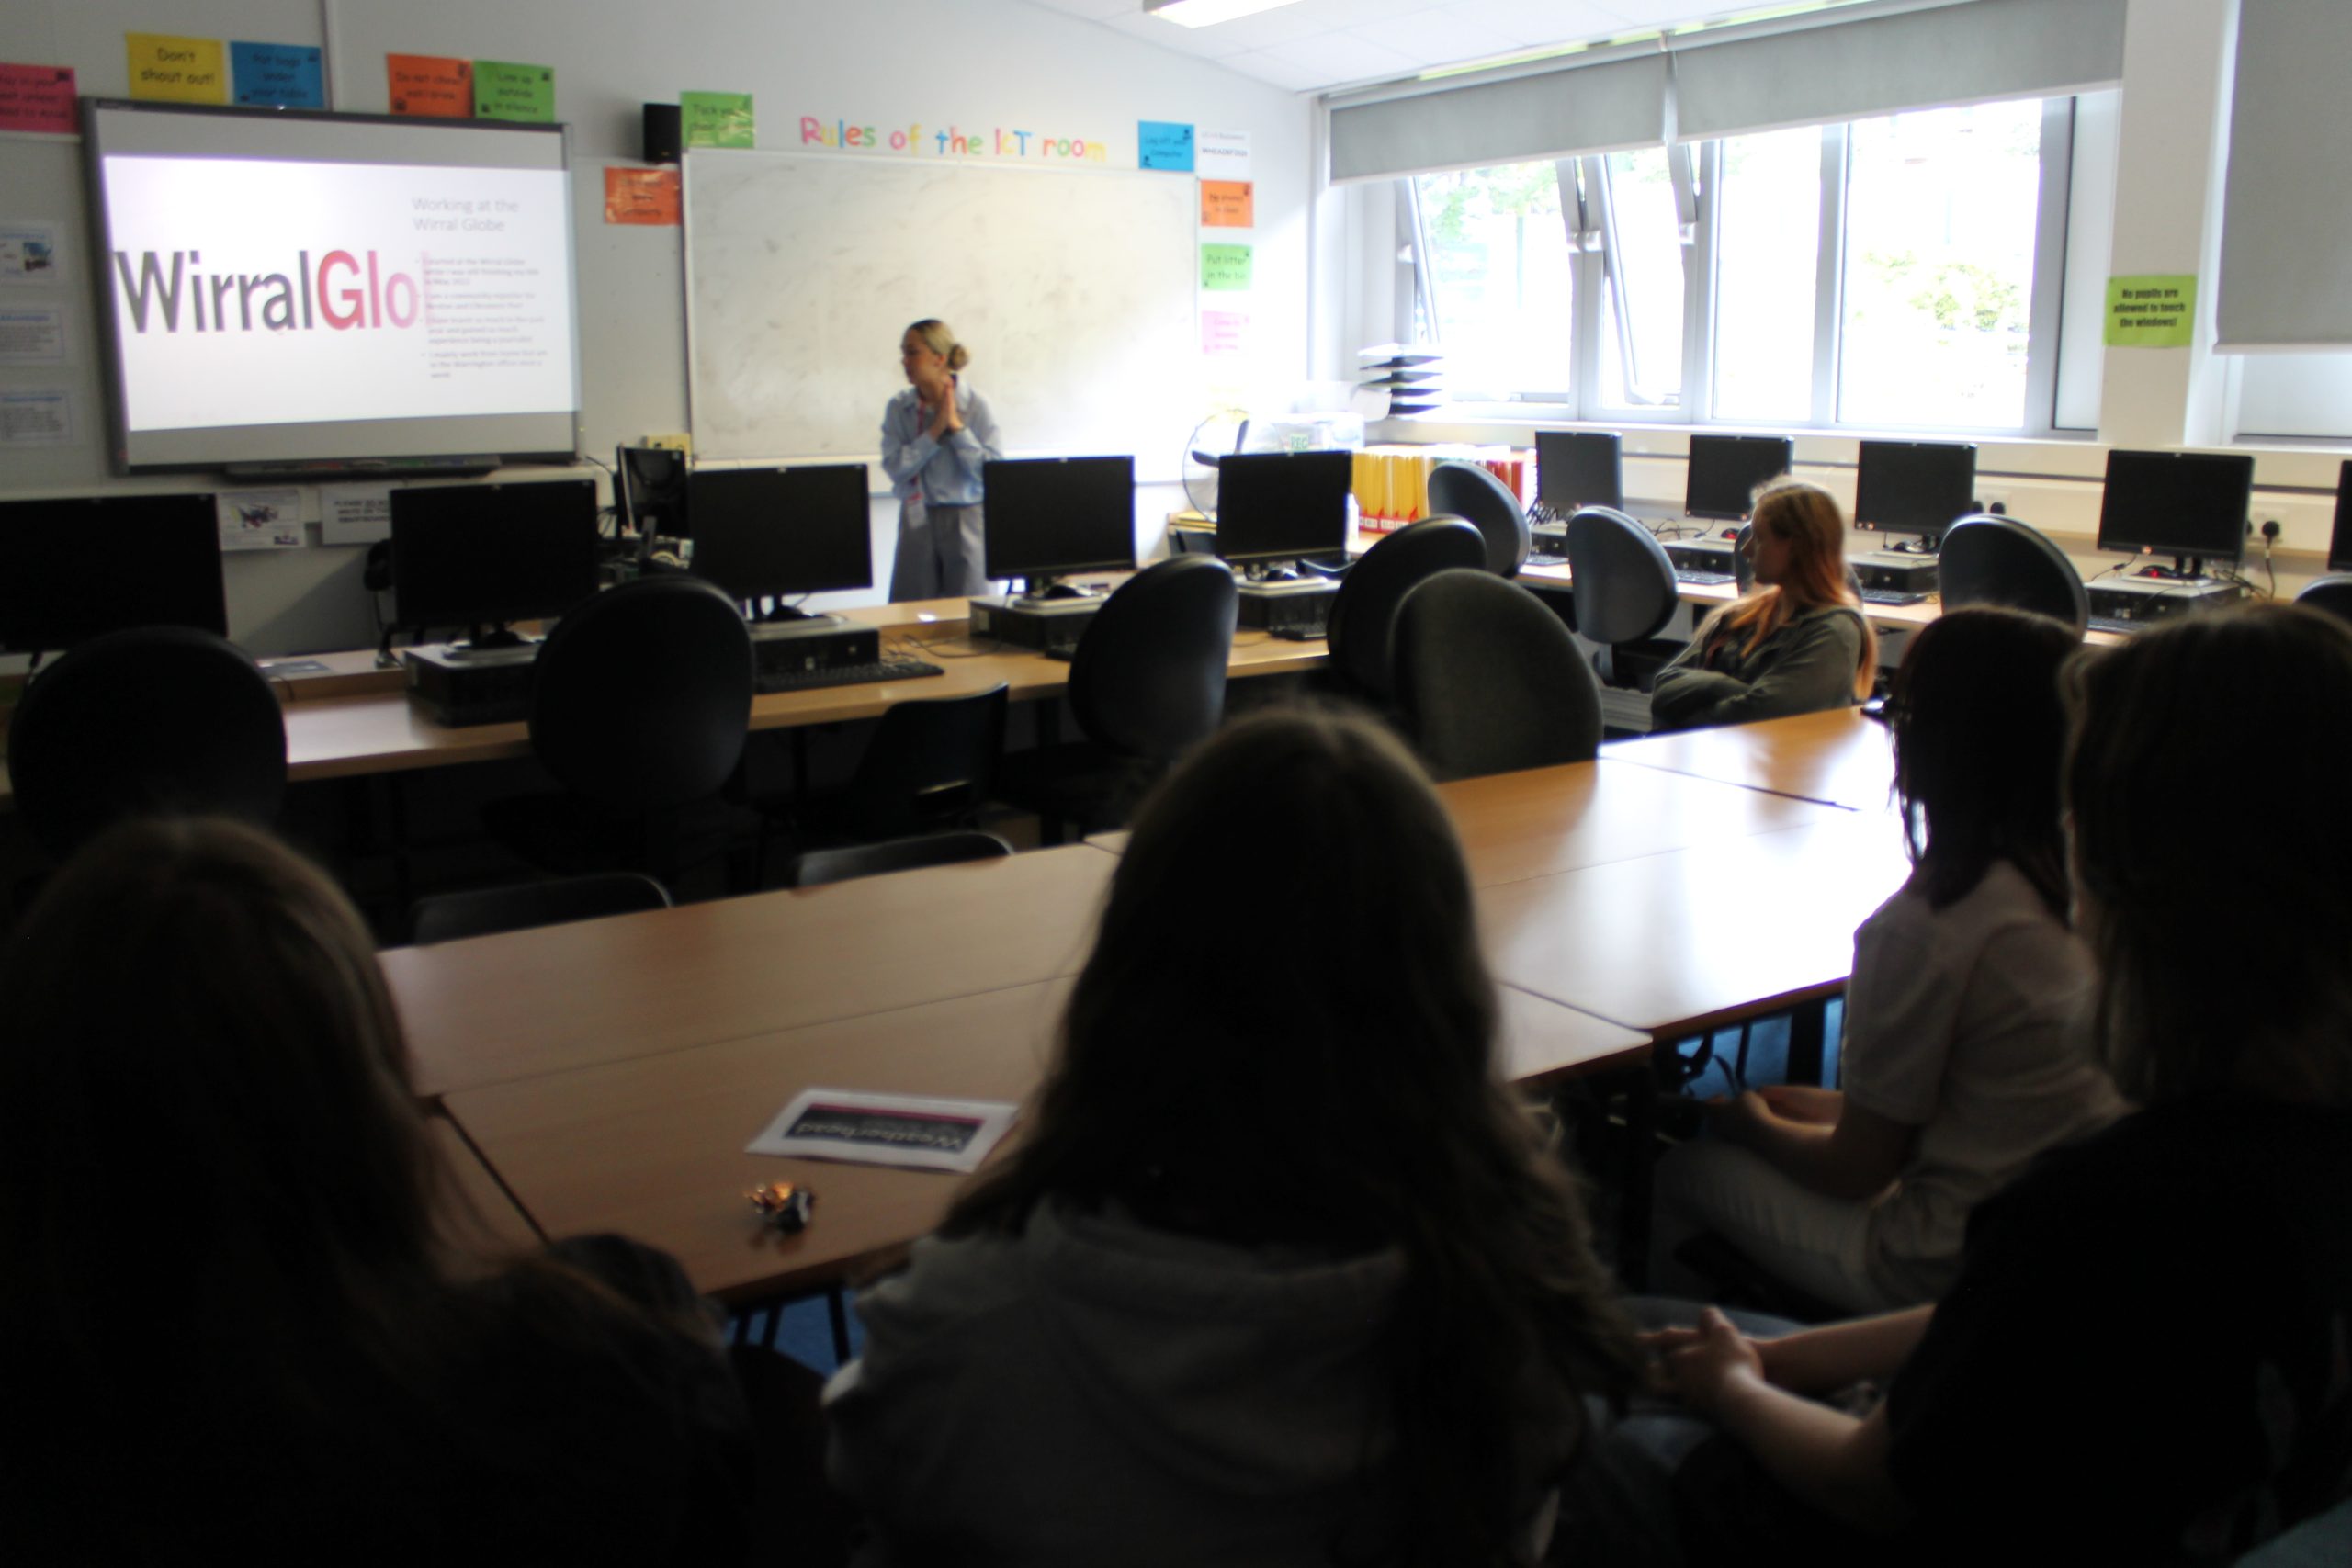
(284, 288)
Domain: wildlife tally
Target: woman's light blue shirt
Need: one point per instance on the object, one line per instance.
(938, 473)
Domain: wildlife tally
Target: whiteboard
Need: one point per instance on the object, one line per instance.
(1073, 290)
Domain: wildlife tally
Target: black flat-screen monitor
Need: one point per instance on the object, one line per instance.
(1725, 472)
(1283, 505)
(2339, 543)
(1579, 468)
(2177, 503)
(486, 555)
(1917, 487)
(1046, 517)
(652, 485)
(73, 569)
(763, 533)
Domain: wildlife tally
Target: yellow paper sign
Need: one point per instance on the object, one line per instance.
(177, 70)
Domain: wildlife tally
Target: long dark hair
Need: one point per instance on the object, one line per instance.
(1980, 736)
(2236, 714)
(1328, 1081)
(1806, 516)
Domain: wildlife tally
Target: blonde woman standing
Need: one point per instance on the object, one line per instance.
(935, 436)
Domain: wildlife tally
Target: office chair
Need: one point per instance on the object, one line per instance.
(2333, 594)
(1478, 498)
(1490, 679)
(485, 912)
(1622, 590)
(1361, 629)
(1146, 685)
(155, 720)
(817, 867)
(641, 702)
(1999, 560)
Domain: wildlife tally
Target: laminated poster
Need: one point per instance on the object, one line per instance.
(1223, 154)
(355, 514)
(38, 97)
(37, 416)
(716, 119)
(32, 335)
(278, 76)
(1224, 267)
(2151, 311)
(642, 196)
(885, 1129)
(430, 85)
(503, 90)
(1160, 144)
(1227, 204)
(260, 519)
(173, 70)
(28, 253)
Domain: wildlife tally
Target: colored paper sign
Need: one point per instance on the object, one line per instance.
(1225, 266)
(642, 196)
(37, 98)
(430, 85)
(1224, 154)
(1224, 334)
(177, 70)
(715, 120)
(281, 75)
(503, 90)
(1227, 204)
(28, 252)
(1161, 145)
(2150, 311)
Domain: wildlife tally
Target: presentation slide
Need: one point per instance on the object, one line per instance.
(266, 291)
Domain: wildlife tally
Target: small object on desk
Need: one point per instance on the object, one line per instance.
(885, 1129)
(785, 1205)
(770, 681)
(1891, 596)
(1298, 634)
(293, 667)
(1696, 579)
(2113, 624)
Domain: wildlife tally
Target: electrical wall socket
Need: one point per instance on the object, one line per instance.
(678, 442)
(1990, 496)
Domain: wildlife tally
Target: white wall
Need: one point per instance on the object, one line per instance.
(972, 64)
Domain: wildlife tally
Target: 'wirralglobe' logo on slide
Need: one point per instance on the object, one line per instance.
(348, 293)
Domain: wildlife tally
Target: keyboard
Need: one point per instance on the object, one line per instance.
(843, 675)
(2115, 624)
(1891, 596)
(1698, 579)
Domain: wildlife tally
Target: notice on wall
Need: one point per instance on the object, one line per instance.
(1223, 154)
(1160, 144)
(716, 119)
(355, 514)
(503, 90)
(431, 85)
(1224, 267)
(37, 416)
(175, 70)
(277, 75)
(1227, 204)
(260, 519)
(642, 196)
(2150, 311)
(28, 252)
(1225, 334)
(32, 335)
(37, 98)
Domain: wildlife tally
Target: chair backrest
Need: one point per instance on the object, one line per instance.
(1620, 579)
(930, 759)
(1490, 679)
(642, 696)
(821, 866)
(1148, 675)
(1362, 627)
(1999, 560)
(2333, 594)
(448, 917)
(151, 720)
(1474, 494)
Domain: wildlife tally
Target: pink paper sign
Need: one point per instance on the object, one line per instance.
(1224, 334)
(37, 98)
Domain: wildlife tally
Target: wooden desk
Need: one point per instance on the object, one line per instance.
(1837, 757)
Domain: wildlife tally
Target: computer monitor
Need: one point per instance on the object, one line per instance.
(77, 568)
(2191, 505)
(1722, 477)
(1915, 487)
(652, 486)
(1046, 517)
(479, 556)
(771, 533)
(1277, 506)
(2339, 543)
(1579, 468)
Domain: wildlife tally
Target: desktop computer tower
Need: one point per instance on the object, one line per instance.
(459, 686)
(821, 642)
(1301, 607)
(1701, 554)
(2147, 600)
(1892, 573)
(1049, 625)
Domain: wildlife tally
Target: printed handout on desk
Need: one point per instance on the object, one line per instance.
(887, 1129)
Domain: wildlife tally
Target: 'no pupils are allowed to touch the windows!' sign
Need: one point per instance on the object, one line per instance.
(2150, 311)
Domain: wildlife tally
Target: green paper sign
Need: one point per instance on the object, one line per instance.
(715, 120)
(503, 90)
(1225, 266)
(2151, 310)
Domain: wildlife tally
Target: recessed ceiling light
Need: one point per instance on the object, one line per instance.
(1209, 13)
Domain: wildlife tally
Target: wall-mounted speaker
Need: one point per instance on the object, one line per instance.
(662, 133)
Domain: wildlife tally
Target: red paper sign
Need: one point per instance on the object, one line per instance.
(642, 196)
(429, 86)
(37, 98)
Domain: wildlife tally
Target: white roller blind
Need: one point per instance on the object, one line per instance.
(2286, 229)
(1601, 107)
(1970, 52)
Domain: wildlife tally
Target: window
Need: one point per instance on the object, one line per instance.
(1767, 263)
(1496, 286)
(1641, 312)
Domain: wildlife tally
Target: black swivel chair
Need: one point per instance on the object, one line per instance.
(821, 866)
(641, 702)
(1490, 679)
(1478, 498)
(2333, 594)
(1147, 683)
(155, 720)
(1622, 589)
(1999, 560)
(1361, 629)
(523, 906)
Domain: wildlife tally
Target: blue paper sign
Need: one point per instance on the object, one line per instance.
(1161, 145)
(284, 75)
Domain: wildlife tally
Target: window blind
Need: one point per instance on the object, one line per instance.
(2285, 277)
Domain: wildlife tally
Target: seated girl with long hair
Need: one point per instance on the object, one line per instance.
(1962, 1057)
(236, 1322)
(1280, 1273)
(1797, 643)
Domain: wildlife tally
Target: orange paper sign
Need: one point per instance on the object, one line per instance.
(1227, 204)
(430, 85)
(642, 196)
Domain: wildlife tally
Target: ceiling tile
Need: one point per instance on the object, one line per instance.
(1433, 38)
(1095, 10)
(1540, 23)
(1343, 57)
(1285, 24)
(1283, 74)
